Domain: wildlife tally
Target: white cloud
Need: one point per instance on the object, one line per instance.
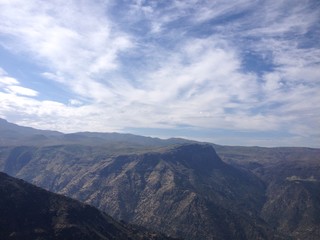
(5, 80)
(12, 85)
(22, 91)
(53, 115)
(74, 40)
(75, 102)
(181, 63)
(216, 9)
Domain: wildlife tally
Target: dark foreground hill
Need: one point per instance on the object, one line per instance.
(29, 212)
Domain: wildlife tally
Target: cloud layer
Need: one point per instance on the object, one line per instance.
(250, 68)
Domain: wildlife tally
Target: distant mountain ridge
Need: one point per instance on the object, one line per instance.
(14, 135)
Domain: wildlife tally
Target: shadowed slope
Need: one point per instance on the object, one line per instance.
(28, 212)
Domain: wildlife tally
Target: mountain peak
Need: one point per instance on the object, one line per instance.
(196, 156)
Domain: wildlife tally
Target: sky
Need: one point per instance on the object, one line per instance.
(238, 72)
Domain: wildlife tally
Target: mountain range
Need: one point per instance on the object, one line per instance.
(179, 187)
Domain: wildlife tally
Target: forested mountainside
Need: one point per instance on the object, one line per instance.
(178, 187)
(29, 212)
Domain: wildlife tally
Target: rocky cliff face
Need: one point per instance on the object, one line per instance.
(28, 212)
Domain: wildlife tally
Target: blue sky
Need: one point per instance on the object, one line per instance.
(243, 72)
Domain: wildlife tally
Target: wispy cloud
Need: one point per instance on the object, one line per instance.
(165, 65)
(12, 86)
(21, 91)
(75, 41)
